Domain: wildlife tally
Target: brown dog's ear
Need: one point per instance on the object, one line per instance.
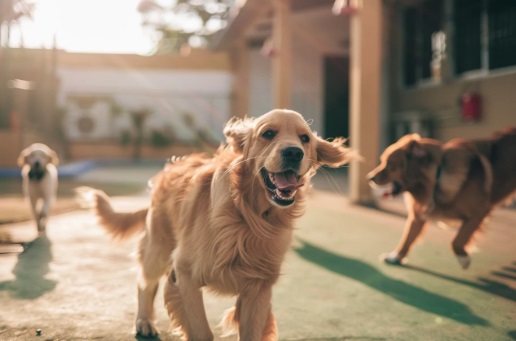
(416, 149)
(237, 132)
(334, 153)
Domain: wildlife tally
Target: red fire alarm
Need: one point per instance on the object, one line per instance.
(343, 7)
(471, 104)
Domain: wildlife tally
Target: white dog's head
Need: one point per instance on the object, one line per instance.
(37, 156)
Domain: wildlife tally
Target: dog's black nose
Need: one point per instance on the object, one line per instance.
(292, 154)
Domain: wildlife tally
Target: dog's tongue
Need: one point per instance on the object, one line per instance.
(286, 180)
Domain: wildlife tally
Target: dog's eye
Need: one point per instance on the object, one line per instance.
(269, 134)
(304, 138)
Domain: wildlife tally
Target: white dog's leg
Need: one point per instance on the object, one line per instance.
(36, 213)
(43, 214)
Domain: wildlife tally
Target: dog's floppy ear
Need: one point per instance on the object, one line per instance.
(53, 157)
(334, 153)
(23, 157)
(237, 132)
(416, 149)
(423, 153)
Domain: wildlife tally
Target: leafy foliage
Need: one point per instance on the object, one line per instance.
(184, 22)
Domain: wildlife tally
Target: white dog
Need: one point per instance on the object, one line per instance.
(39, 174)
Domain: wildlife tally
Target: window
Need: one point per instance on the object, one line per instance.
(484, 34)
(467, 35)
(502, 33)
(420, 22)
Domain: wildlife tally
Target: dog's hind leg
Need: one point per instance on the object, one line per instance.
(153, 265)
(463, 239)
(148, 282)
(144, 324)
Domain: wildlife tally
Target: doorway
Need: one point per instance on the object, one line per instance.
(336, 96)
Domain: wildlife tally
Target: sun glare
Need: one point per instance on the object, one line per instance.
(103, 26)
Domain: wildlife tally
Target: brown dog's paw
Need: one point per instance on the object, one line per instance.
(464, 261)
(145, 328)
(393, 258)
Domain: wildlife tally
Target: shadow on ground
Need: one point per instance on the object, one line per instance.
(488, 285)
(396, 289)
(30, 271)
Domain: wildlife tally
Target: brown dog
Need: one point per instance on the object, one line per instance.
(224, 223)
(462, 180)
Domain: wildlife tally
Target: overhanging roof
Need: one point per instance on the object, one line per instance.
(242, 17)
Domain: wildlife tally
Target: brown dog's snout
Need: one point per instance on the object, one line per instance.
(292, 154)
(374, 176)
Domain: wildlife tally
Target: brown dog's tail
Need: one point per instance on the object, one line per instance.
(119, 225)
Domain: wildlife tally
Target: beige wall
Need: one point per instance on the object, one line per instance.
(9, 148)
(442, 102)
(12, 143)
(100, 150)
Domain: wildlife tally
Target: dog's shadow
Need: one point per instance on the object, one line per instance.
(489, 285)
(396, 289)
(30, 271)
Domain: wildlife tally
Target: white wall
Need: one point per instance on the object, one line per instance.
(260, 84)
(169, 94)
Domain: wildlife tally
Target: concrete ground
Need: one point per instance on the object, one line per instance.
(77, 284)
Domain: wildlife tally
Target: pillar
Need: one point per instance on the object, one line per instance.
(365, 100)
(282, 54)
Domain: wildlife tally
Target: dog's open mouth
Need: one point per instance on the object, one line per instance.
(389, 190)
(283, 186)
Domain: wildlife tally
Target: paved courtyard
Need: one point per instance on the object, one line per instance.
(77, 284)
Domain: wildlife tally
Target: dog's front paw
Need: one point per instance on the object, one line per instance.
(145, 328)
(393, 258)
(464, 261)
(42, 224)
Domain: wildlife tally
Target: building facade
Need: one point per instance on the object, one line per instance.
(374, 70)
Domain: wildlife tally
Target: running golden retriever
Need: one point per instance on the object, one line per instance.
(462, 180)
(224, 223)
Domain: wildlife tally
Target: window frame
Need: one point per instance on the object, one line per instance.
(448, 66)
(420, 82)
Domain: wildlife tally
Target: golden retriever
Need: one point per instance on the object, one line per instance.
(462, 180)
(224, 223)
(39, 180)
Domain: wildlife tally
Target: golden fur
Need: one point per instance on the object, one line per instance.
(213, 222)
(39, 178)
(462, 180)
